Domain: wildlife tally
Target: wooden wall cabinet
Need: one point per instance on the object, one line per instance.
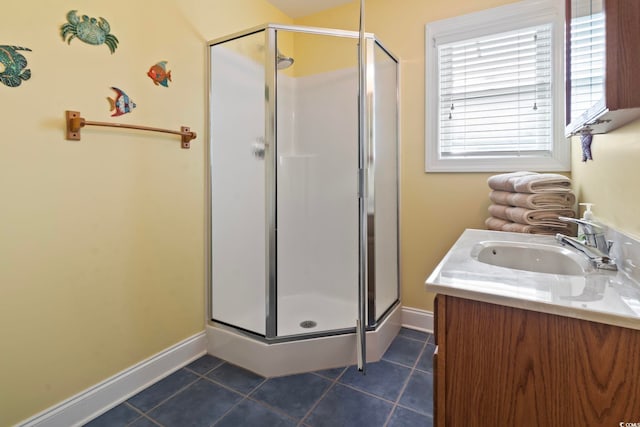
(504, 366)
(602, 64)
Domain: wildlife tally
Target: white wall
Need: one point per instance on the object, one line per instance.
(317, 189)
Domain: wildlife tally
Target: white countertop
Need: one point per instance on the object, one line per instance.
(601, 296)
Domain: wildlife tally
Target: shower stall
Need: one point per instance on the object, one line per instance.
(303, 209)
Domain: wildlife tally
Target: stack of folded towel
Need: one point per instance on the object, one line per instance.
(529, 202)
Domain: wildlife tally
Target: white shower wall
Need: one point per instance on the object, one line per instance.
(238, 192)
(317, 199)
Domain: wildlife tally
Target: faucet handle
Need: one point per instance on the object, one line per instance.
(590, 227)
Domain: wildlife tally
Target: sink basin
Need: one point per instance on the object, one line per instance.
(535, 257)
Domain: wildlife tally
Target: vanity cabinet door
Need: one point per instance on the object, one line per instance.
(603, 89)
(439, 380)
(506, 366)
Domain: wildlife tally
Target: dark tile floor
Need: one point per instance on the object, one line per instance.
(395, 392)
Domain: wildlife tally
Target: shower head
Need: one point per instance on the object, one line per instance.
(283, 62)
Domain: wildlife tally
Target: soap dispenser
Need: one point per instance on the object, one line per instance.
(587, 216)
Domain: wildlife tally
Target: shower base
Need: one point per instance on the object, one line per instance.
(327, 313)
(304, 355)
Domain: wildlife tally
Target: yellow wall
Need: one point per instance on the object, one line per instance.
(102, 241)
(316, 54)
(435, 208)
(611, 180)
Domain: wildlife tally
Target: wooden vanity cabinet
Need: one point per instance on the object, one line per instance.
(503, 366)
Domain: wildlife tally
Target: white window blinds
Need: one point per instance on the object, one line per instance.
(495, 95)
(587, 62)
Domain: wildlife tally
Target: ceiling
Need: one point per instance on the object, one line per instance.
(299, 8)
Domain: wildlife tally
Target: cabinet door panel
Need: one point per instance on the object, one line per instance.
(508, 366)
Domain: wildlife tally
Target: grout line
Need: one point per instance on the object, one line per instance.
(406, 383)
(344, 369)
(248, 396)
(400, 364)
(384, 399)
(428, 334)
(417, 411)
(170, 396)
(333, 381)
(274, 409)
(142, 415)
(207, 372)
(211, 380)
(388, 420)
(229, 410)
(315, 405)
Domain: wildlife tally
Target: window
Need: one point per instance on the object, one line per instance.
(495, 95)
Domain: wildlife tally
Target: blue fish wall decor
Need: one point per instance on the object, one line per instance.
(159, 74)
(121, 104)
(89, 30)
(14, 66)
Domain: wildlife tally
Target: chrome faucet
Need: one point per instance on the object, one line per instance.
(596, 247)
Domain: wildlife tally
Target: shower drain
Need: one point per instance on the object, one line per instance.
(308, 324)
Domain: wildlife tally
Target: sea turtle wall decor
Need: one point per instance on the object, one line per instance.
(89, 30)
(13, 66)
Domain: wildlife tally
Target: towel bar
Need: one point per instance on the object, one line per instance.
(75, 123)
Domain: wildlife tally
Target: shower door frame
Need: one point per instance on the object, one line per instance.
(366, 188)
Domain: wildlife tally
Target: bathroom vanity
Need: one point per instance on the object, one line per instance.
(520, 347)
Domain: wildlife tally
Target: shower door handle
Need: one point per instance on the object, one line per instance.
(258, 148)
(361, 183)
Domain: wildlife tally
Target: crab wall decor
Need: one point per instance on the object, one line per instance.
(89, 30)
(13, 66)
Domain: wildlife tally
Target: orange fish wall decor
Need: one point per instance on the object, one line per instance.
(159, 74)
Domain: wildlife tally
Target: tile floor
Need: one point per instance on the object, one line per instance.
(395, 392)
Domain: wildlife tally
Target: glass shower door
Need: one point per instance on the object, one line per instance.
(238, 218)
(317, 184)
(384, 260)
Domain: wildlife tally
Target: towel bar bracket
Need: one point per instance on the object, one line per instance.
(186, 136)
(75, 122)
(73, 125)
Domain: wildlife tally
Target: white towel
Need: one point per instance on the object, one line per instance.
(530, 182)
(504, 181)
(534, 201)
(498, 224)
(539, 217)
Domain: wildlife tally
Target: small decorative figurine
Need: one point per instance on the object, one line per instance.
(159, 74)
(14, 70)
(89, 30)
(585, 141)
(122, 104)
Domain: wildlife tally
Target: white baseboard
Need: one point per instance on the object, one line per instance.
(414, 318)
(98, 399)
